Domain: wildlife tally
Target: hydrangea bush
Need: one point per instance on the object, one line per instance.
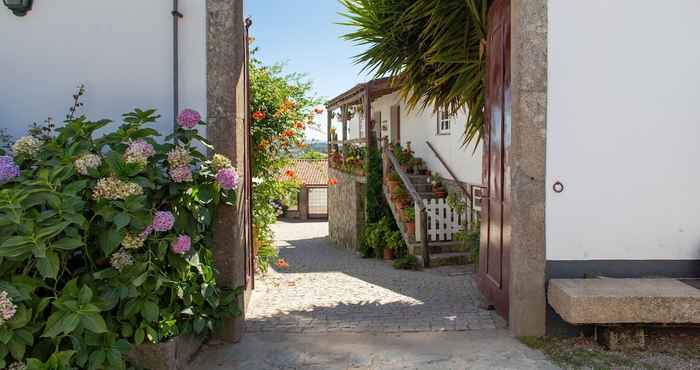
(106, 242)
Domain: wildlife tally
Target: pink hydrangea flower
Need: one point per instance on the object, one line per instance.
(181, 174)
(163, 221)
(188, 118)
(182, 244)
(228, 178)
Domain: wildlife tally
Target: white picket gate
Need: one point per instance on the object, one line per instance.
(443, 220)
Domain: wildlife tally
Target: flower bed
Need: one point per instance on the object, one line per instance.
(106, 242)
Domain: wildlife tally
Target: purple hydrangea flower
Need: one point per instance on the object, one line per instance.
(182, 244)
(146, 232)
(228, 178)
(188, 118)
(8, 169)
(163, 221)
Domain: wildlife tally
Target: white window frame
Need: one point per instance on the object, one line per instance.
(444, 122)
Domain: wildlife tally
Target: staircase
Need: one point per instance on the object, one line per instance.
(442, 252)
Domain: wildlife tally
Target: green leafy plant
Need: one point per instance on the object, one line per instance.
(107, 242)
(394, 176)
(399, 193)
(375, 202)
(410, 213)
(433, 49)
(394, 240)
(408, 262)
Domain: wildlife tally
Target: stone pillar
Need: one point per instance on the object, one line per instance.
(304, 203)
(528, 148)
(226, 114)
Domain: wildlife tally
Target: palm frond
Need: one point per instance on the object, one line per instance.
(432, 49)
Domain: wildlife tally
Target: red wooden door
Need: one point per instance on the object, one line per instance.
(495, 233)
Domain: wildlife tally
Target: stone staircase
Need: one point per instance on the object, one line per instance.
(442, 253)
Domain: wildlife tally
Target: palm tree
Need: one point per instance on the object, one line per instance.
(432, 49)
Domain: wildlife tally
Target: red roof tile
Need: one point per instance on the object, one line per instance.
(309, 171)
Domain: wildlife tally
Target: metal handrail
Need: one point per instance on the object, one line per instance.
(454, 177)
(404, 178)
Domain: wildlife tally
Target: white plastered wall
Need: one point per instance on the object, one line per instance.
(623, 127)
(121, 50)
(419, 126)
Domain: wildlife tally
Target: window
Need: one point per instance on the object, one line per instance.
(444, 122)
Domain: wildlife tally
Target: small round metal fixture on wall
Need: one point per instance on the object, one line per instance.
(19, 7)
(558, 187)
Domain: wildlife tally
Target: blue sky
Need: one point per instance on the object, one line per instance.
(304, 35)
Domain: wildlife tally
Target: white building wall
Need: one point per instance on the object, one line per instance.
(623, 128)
(121, 50)
(419, 126)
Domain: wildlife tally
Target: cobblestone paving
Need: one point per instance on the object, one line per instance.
(328, 289)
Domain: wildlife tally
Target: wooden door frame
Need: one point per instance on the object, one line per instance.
(494, 264)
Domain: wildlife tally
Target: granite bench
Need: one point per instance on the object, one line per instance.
(622, 306)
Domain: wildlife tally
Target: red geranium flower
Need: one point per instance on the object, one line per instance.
(332, 182)
(318, 110)
(259, 115)
(288, 133)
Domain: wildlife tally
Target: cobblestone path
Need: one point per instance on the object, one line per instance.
(328, 289)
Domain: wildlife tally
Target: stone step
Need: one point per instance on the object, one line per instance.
(427, 195)
(423, 188)
(445, 247)
(419, 179)
(448, 259)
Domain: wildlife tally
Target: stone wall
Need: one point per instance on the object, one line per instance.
(346, 208)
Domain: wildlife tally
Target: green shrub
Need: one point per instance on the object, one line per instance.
(373, 238)
(406, 263)
(107, 241)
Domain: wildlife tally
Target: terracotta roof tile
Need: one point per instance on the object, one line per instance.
(308, 171)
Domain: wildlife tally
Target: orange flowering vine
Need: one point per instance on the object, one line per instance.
(290, 173)
(332, 182)
(288, 133)
(281, 263)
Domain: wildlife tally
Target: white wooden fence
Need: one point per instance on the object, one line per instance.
(443, 220)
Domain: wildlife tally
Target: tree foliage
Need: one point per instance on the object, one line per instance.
(282, 109)
(433, 49)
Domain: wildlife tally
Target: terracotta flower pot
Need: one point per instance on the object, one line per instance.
(411, 229)
(393, 185)
(440, 194)
(388, 254)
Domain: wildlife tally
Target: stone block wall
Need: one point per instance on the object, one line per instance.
(346, 208)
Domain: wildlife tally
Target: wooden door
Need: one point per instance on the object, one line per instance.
(495, 233)
(395, 129)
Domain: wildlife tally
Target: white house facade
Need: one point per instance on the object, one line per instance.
(444, 133)
(122, 51)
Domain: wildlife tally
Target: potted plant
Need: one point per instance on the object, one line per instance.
(394, 181)
(410, 214)
(438, 190)
(393, 240)
(398, 195)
